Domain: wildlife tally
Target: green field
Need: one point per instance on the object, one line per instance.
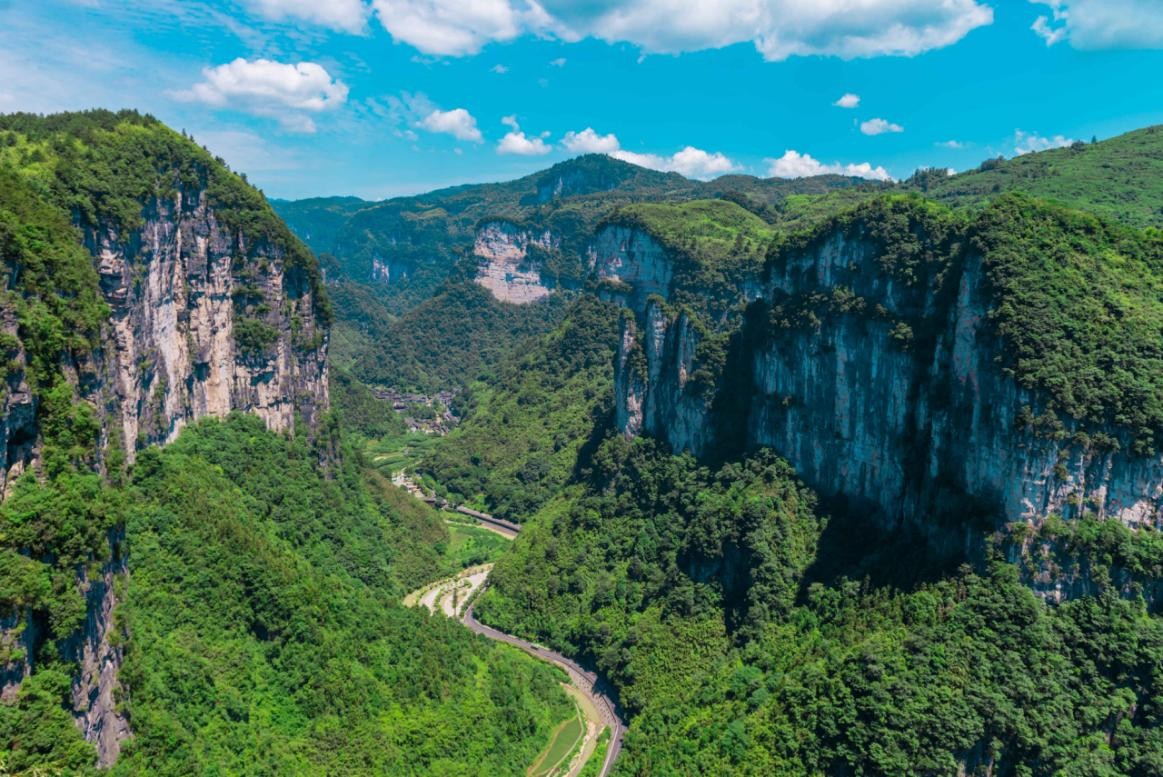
(470, 544)
(597, 758)
(402, 451)
(562, 743)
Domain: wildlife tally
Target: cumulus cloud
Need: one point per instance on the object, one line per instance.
(517, 142)
(951, 144)
(344, 15)
(589, 142)
(793, 164)
(453, 27)
(457, 122)
(879, 127)
(690, 161)
(267, 88)
(848, 101)
(1029, 142)
(777, 28)
(1102, 24)
(1046, 30)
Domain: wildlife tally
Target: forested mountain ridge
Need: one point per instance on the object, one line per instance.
(228, 603)
(416, 241)
(761, 539)
(150, 287)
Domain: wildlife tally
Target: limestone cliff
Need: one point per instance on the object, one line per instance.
(506, 267)
(206, 320)
(882, 378)
(631, 265)
(148, 287)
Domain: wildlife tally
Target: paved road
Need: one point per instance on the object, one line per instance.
(587, 682)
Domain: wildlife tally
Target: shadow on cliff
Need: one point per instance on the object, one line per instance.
(854, 547)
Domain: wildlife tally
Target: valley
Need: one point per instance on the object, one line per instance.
(570, 747)
(597, 471)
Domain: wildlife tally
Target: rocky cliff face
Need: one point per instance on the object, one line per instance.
(650, 386)
(98, 652)
(885, 391)
(506, 268)
(631, 266)
(205, 322)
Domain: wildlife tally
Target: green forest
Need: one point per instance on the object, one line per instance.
(698, 593)
(265, 634)
(745, 623)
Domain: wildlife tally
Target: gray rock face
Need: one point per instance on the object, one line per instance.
(655, 395)
(98, 652)
(182, 291)
(505, 269)
(887, 396)
(632, 264)
(175, 354)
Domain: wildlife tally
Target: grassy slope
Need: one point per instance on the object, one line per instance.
(1120, 178)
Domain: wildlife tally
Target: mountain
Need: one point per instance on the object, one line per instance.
(545, 220)
(1116, 178)
(865, 464)
(521, 240)
(199, 573)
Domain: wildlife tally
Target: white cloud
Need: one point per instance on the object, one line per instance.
(848, 101)
(517, 142)
(690, 161)
(879, 127)
(1102, 24)
(1029, 142)
(500, 69)
(589, 142)
(777, 28)
(1047, 32)
(345, 15)
(793, 164)
(453, 27)
(559, 62)
(951, 144)
(267, 88)
(457, 122)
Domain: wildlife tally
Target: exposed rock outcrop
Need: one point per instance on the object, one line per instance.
(886, 394)
(98, 651)
(205, 322)
(630, 266)
(505, 268)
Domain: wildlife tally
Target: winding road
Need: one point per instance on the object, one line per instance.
(439, 597)
(585, 681)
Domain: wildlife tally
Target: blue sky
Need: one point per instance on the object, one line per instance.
(384, 97)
